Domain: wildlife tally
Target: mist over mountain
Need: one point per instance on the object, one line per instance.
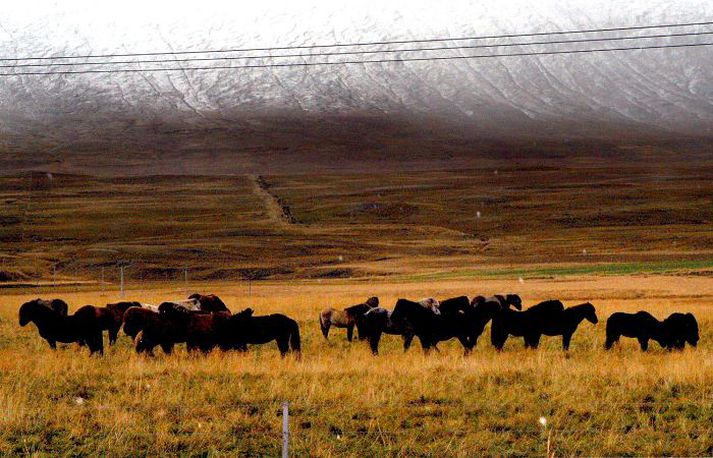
(435, 108)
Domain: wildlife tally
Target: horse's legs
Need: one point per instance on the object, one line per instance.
(113, 334)
(408, 338)
(167, 348)
(644, 342)
(96, 343)
(468, 348)
(324, 327)
(374, 339)
(283, 345)
(534, 340)
(350, 332)
(52, 344)
(566, 339)
(611, 340)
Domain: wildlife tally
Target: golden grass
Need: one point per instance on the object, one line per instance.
(344, 402)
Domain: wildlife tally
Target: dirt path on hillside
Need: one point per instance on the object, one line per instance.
(275, 207)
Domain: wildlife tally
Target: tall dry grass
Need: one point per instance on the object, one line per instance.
(344, 402)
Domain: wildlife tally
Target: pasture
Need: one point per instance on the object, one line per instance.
(345, 402)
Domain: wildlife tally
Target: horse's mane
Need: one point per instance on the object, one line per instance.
(247, 313)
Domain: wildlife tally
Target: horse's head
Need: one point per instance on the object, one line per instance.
(28, 311)
(134, 320)
(514, 300)
(372, 302)
(432, 304)
(692, 336)
(590, 313)
(477, 300)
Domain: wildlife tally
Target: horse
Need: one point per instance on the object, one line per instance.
(190, 304)
(454, 305)
(429, 327)
(347, 318)
(640, 325)
(679, 329)
(672, 333)
(377, 321)
(58, 305)
(54, 327)
(430, 303)
(527, 324)
(148, 329)
(111, 317)
(199, 329)
(565, 323)
(505, 301)
(209, 302)
(244, 328)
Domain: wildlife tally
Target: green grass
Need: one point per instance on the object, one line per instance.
(625, 268)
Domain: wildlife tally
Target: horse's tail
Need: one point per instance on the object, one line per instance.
(295, 342)
(324, 326)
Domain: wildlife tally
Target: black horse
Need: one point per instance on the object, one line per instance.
(58, 305)
(82, 327)
(640, 325)
(672, 333)
(527, 324)
(377, 321)
(429, 327)
(478, 316)
(566, 322)
(243, 328)
(679, 329)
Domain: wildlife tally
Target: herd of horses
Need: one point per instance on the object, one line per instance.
(434, 321)
(204, 323)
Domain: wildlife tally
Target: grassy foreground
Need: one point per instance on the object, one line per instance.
(344, 402)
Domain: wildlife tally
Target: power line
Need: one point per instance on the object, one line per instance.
(380, 51)
(374, 61)
(369, 43)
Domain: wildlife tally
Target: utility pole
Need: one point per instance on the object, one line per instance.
(121, 269)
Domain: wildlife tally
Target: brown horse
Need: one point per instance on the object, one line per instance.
(112, 316)
(200, 330)
(347, 318)
(82, 327)
(148, 328)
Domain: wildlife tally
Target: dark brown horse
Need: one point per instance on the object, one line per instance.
(200, 330)
(82, 326)
(429, 327)
(148, 329)
(244, 328)
(527, 324)
(112, 316)
(671, 333)
(566, 322)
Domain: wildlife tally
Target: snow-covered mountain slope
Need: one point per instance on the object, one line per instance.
(603, 96)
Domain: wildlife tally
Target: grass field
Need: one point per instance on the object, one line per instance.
(627, 229)
(344, 402)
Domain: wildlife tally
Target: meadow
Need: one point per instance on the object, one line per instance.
(345, 402)
(626, 230)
